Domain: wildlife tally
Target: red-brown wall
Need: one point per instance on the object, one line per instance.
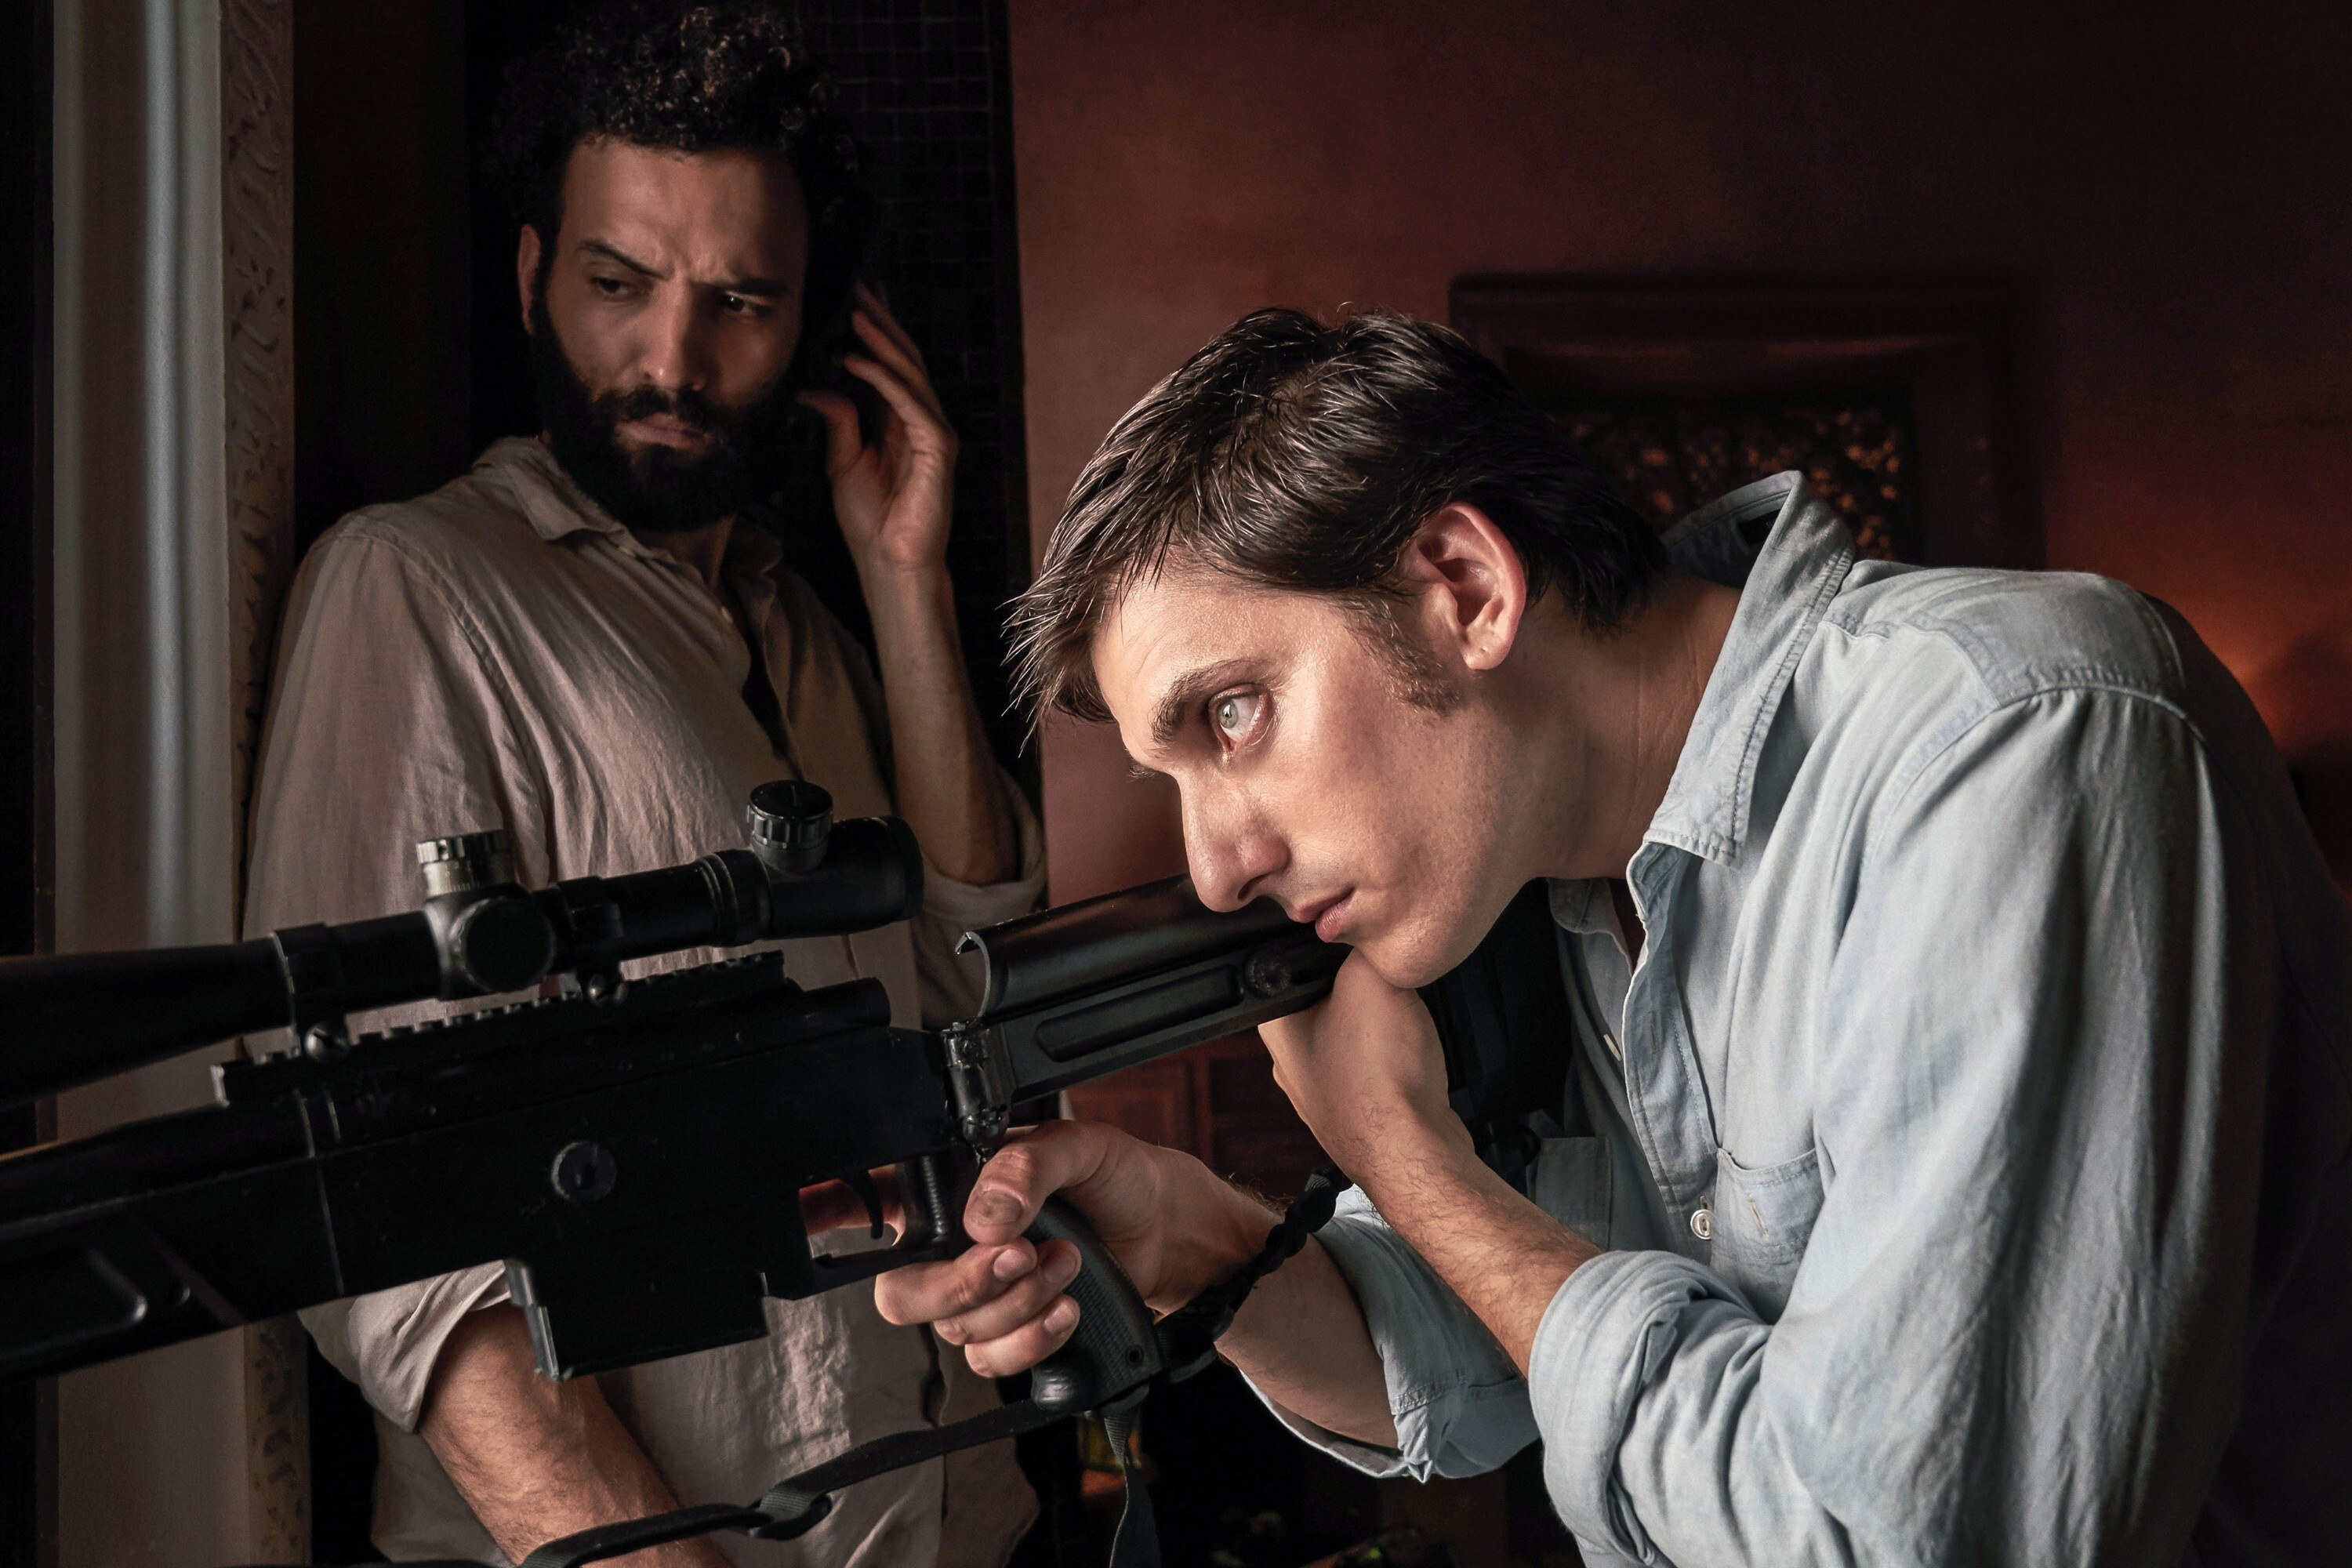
(2173, 185)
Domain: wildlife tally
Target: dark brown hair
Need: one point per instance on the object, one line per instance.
(1296, 456)
(690, 75)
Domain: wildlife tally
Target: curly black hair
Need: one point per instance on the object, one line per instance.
(690, 75)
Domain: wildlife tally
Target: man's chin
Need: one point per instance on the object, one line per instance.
(1407, 959)
(1415, 951)
(663, 491)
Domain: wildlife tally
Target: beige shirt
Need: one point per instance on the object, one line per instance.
(502, 653)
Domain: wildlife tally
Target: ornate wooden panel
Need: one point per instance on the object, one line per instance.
(1898, 399)
(1672, 456)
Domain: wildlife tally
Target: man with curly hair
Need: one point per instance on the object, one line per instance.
(581, 642)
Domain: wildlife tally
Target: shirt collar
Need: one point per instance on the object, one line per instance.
(1582, 906)
(1786, 551)
(556, 508)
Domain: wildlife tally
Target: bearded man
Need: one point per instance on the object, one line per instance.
(583, 642)
(1952, 1166)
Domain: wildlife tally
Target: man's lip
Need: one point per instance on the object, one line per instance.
(661, 430)
(1327, 916)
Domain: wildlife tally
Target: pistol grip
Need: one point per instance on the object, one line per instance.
(1115, 1347)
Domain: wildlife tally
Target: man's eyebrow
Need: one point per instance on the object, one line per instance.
(610, 252)
(1182, 693)
(754, 288)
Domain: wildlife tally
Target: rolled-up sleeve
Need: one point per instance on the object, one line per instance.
(386, 1341)
(2036, 1134)
(1459, 1404)
(385, 729)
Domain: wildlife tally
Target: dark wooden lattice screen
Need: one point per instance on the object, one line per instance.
(922, 83)
(1897, 399)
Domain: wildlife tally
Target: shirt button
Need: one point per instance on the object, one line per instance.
(1702, 1225)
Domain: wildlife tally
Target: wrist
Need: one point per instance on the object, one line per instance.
(881, 572)
(910, 602)
(1227, 1228)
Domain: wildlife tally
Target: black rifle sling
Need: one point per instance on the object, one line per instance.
(1135, 1542)
(797, 1503)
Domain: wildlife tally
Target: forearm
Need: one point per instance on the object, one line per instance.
(1301, 1339)
(535, 1458)
(1504, 1257)
(1300, 1335)
(948, 787)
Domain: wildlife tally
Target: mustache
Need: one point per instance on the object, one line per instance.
(685, 404)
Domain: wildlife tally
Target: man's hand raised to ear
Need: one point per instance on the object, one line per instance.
(1176, 1229)
(893, 497)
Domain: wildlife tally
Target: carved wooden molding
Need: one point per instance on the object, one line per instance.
(258, 275)
(278, 1441)
(257, 61)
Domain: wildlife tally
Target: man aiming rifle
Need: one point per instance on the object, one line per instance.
(1951, 1166)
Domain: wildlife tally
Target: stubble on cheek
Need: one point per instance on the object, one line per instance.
(1379, 803)
(1444, 822)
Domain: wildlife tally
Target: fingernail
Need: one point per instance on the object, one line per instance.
(1011, 1264)
(995, 1206)
(1064, 1313)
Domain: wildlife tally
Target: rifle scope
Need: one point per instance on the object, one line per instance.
(478, 934)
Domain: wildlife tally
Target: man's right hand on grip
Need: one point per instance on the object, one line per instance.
(1173, 1224)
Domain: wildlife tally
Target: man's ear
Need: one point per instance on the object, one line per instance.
(1471, 580)
(527, 273)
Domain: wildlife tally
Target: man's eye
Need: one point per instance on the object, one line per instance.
(610, 288)
(1234, 716)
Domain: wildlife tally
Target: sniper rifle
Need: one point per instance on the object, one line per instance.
(634, 1150)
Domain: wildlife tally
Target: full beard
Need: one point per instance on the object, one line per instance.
(657, 489)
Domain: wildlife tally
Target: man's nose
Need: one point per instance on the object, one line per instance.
(674, 343)
(1231, 855)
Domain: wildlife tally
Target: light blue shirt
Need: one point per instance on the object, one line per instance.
(1972, 1134)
